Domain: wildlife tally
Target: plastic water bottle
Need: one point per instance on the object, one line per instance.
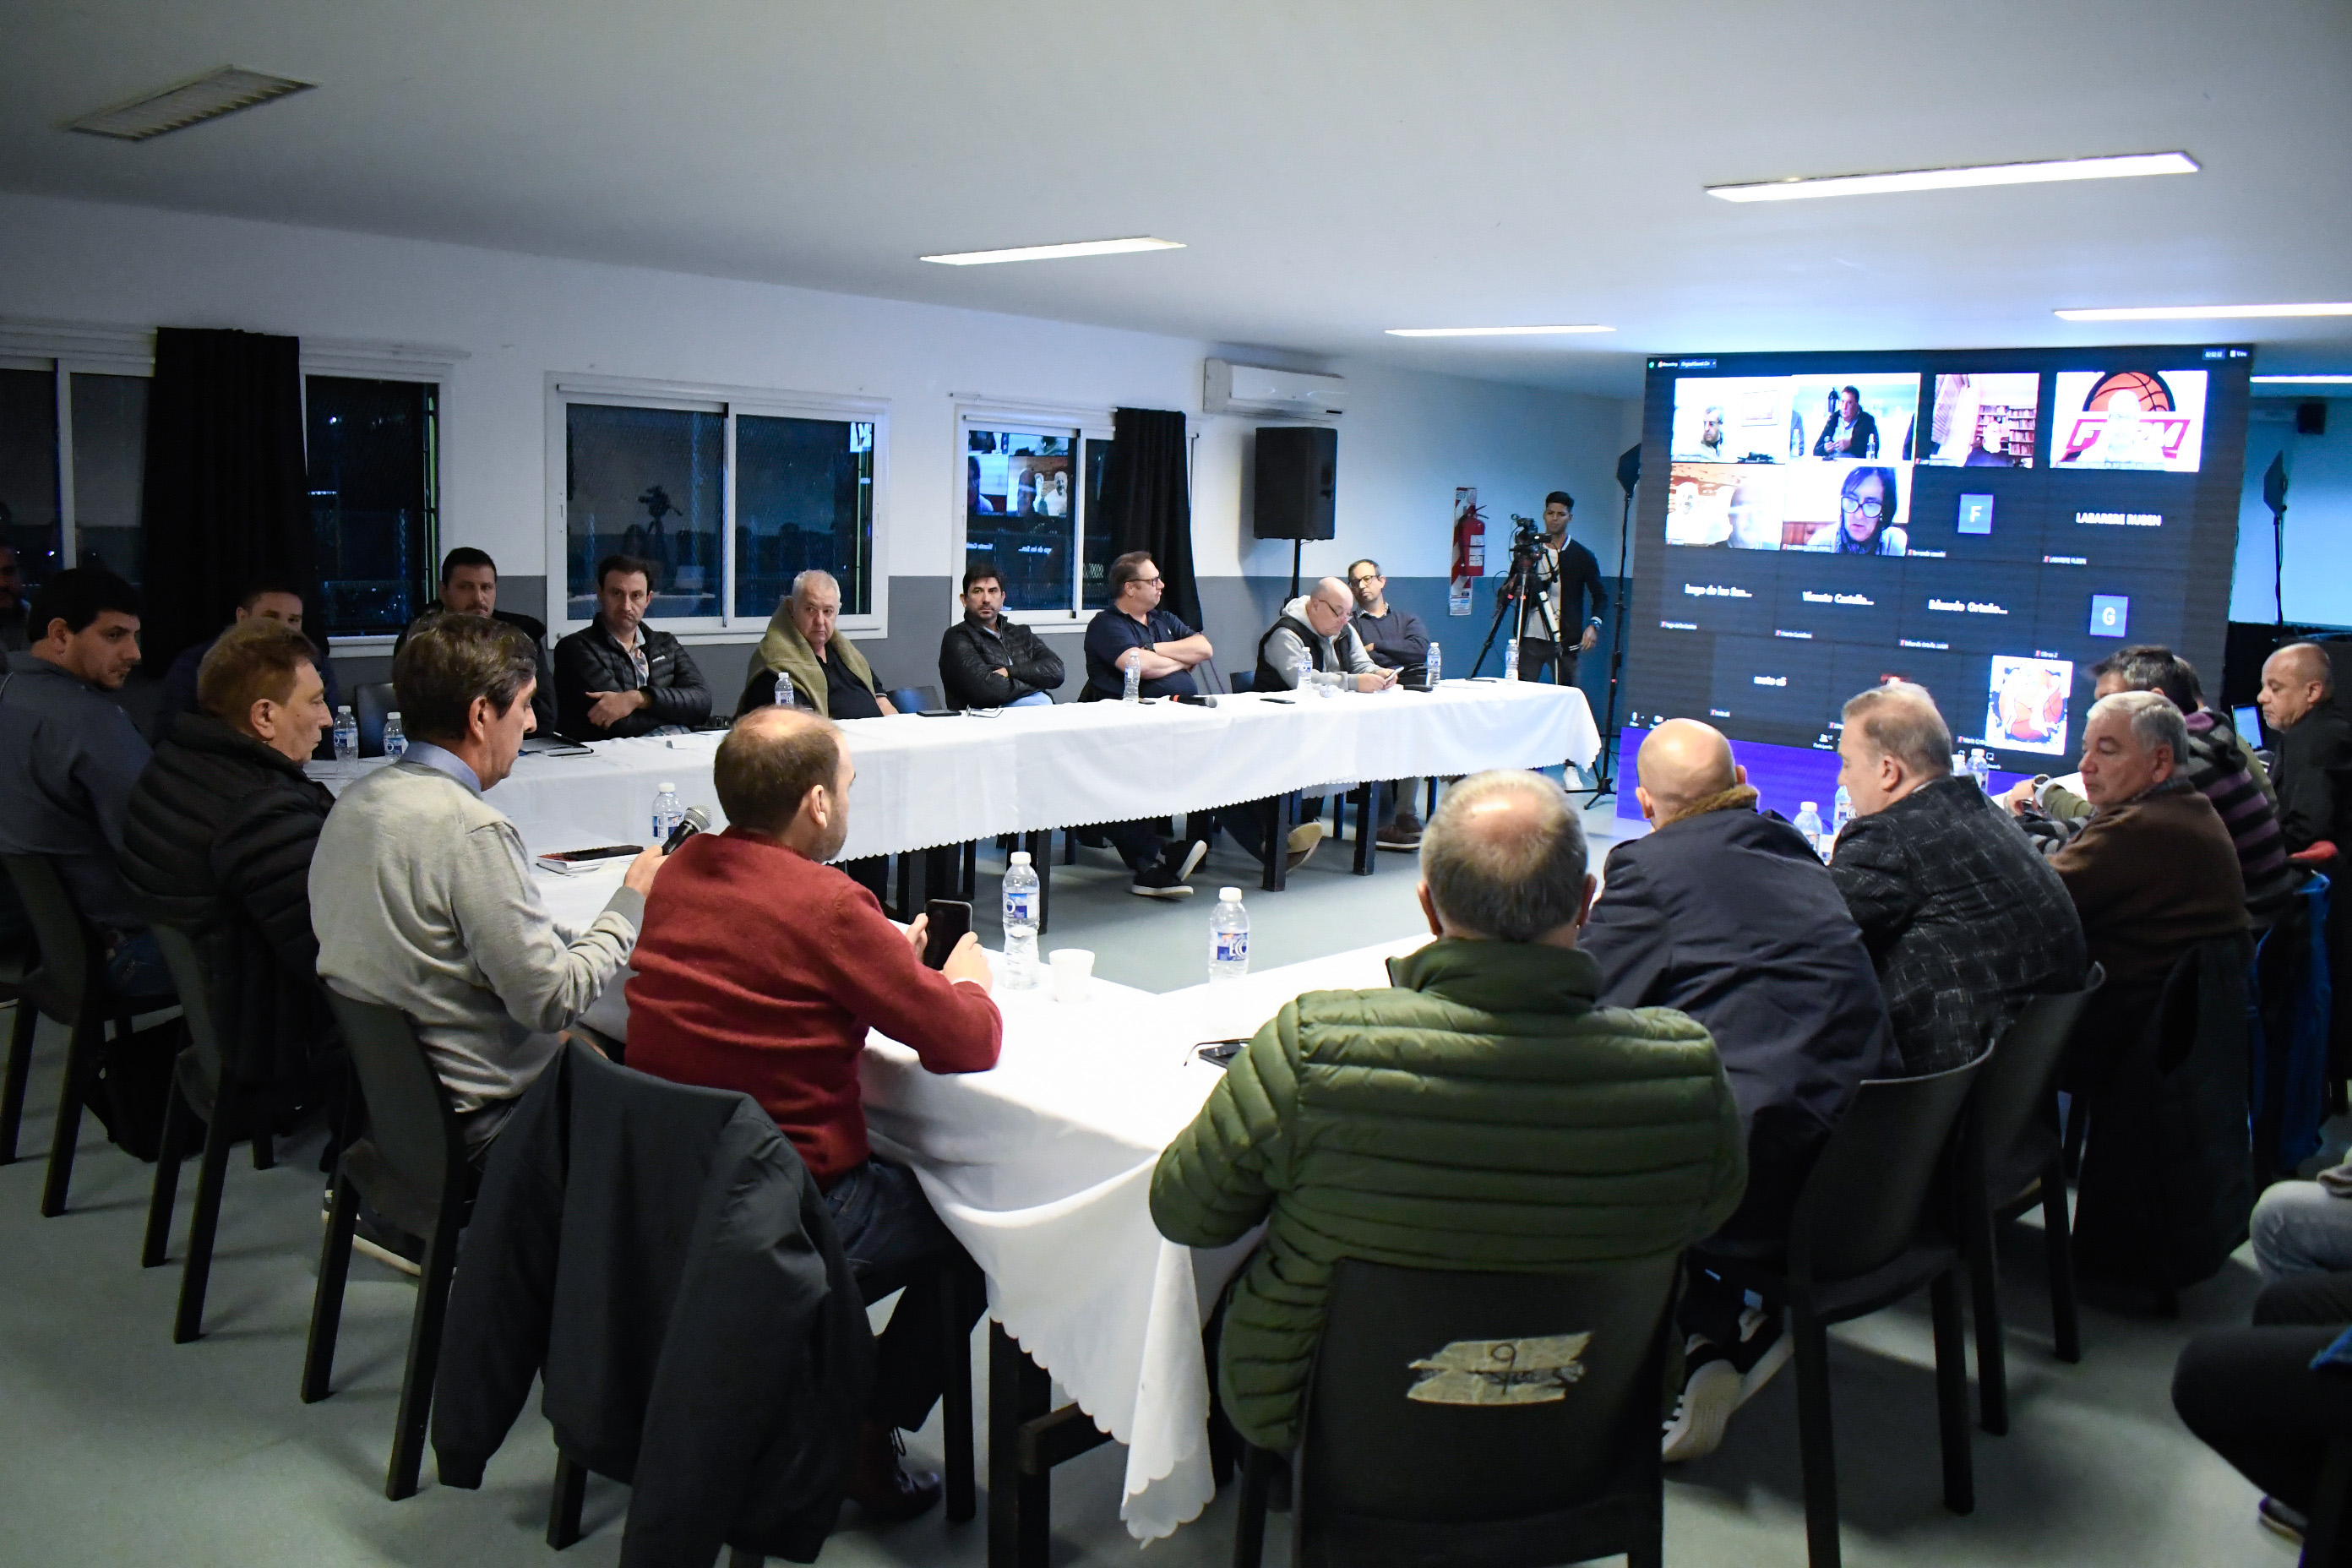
(347, 735)
(1229, 937)
(667, 813)
(1436, 664)
(1809, 823)
(1302, 673)
(784, 694)
(1020, 922)
(1511, 659)
(1132, 691)
(1981, 768)
(1841, 812)
(396, 740)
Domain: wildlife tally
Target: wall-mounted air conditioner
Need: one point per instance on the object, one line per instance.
(1250, 389)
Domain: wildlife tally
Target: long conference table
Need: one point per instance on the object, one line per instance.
(1042, 1166)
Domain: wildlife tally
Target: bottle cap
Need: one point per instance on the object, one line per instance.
(1018, 857)
(1808, 806)
(345, 709)
(668, 788)
(1229, 895)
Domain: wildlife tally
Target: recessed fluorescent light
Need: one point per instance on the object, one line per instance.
(2301, 380)
(2202, 312)
(1492, 331)
(225, 92)
(1796, 188)
(1054, 252)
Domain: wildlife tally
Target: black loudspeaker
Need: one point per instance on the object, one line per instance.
(1297, 475)
(2310, 419)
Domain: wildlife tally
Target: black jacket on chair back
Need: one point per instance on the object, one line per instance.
(660, 1255)
(1729, 916)
(217, 841)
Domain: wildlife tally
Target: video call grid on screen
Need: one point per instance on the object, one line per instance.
(1989, 523)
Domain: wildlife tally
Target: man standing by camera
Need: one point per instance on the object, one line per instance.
(1571, 575)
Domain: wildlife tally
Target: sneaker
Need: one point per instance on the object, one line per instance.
(2280, 1520)
(374, 1237)
(1160, 881)
(1303, 840)
(1194, 853)
(1774, 1355)
(1398, 834)
(1711, 1392)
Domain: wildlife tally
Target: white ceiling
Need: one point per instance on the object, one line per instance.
(1334, 168)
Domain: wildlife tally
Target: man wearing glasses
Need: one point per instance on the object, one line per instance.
(1397, 640)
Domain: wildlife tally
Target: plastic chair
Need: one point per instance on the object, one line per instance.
(69, 986)
(1860, 1240)
(913, 698)
(1242, 680)
(2010, 1138)
(412, 1166)
(208, 1084)
(371, 702)
(1541, 1443)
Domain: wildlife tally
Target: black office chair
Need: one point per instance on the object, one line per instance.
(1242, 680)
(913, 698)
(71, 987)
(210, 1082)
(413, 1168)
(2010, 1141)
(1862, 1239)
(1483, 1420)
(371, 702)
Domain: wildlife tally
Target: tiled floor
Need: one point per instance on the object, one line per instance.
(123, 1446)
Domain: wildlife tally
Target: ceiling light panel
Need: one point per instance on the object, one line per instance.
(1799, 188)
(1493, 332)
(1054, 252)
(2202, 312)
(225, 92)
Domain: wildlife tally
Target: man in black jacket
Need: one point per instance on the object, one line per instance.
(218, 836)
(270, 598)
(2314, 747)
(619, 677)
(469, 586)
(987, 661)
(1965, 921)
(1725, 913)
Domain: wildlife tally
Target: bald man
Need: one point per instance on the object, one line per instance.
(2313, 773)
(1726, 914)
(1964, 919)
(760, 969)
(1319, 627)
(1395, 1125)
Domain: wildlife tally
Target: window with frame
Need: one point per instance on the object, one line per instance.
(1031, 498)
(73, 455)
(728, 501)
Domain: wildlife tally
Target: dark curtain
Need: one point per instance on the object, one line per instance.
(1147, 498)
(227, 496)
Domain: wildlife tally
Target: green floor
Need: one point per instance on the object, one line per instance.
(129, 1448)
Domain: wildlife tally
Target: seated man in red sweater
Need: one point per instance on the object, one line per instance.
(761, 968)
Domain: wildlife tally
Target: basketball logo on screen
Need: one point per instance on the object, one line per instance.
(2131, 419)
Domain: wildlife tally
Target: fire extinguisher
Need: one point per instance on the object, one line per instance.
(1469, 543)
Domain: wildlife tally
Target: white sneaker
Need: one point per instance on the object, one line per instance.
(1710, 1395)
(1776, 1356)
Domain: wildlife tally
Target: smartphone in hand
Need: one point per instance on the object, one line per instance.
(949, 920)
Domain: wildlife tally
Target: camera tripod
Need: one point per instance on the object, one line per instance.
(1529, 585)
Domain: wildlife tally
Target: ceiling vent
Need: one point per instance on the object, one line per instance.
(1228, 388)
(225, 92)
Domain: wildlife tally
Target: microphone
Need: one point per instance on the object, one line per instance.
(695, 820)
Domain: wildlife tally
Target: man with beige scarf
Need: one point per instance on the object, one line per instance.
(1725, 913)
(803, 642)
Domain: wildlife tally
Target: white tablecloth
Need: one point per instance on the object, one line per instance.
(1042, 1167)
(926, 782)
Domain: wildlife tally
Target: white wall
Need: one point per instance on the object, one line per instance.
(2317, 581)
(1407, 440)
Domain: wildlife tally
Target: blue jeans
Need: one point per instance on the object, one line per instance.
(1034, 700)
(894, 1241)
(134, 965)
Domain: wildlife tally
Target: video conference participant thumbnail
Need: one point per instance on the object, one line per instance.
(1849, 509)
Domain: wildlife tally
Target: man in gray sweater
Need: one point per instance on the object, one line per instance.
(422, 894)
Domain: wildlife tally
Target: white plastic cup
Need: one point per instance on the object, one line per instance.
(1074, 969)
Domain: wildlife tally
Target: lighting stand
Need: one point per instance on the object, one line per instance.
(1609, 765)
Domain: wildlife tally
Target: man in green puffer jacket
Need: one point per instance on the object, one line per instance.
(1483, 1113)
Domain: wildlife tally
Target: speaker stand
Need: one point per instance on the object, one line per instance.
(1296, 546)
